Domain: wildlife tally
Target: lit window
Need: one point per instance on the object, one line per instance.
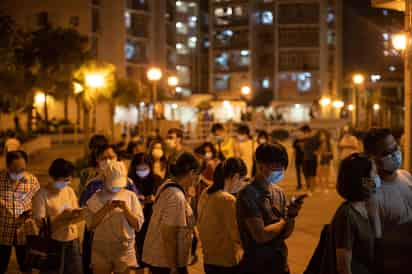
(181, 28)
(244, 52)
(238, 11)
(385, 36)
(386, 53)
(221, 82)
(193, 19)
(181, 49)
(206, 43)
(265, 18)
(375, 77)
(265, 83)
(220, 12)
(192, 42)
(130, 50)
(183, 73)
(181, 6)
(385, 12)
(331, 37)
(304, 81)
(222, 61)
(127, 19)
(392, 68)
(331, 17)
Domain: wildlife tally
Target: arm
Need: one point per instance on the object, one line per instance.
(134, 213)
(344, 261)
(169, 235)
(261, 233)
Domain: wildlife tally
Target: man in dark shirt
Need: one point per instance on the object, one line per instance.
(264, 217)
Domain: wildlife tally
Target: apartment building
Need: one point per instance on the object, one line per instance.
(288, 48)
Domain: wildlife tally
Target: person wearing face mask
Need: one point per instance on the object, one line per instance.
(169, 236)
(351, 227)
(174, 142)
(58, 202)
(217, 224)
(262, 137)
(141, 173)
(264, 216)
(208, 154)
(17, 189)
(114, 214)
(393, 199)
(105, 156)
(224, 144)
(244, 148)
(158, 158)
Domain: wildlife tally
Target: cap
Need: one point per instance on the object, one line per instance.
(115, 174)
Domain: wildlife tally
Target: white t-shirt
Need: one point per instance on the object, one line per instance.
(52, 204)
(114, 227)
(394, 200)
(244, 150)
(171, 209)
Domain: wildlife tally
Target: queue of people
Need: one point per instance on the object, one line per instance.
(224, 193)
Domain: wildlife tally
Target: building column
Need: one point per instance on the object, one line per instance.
(323, 56)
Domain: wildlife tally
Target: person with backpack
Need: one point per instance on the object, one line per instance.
(169, 237)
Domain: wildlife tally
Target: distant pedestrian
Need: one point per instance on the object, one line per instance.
(311, 144)
(12, 143)
(169, 237)
(348, 144)
(264, 216)
(17, 188)
(157, 153)
(244, 147)
(298, 144)
(325, 157)
(114, 214)
(217, 223)
(262, 138)
(224, 144)
(58, 203)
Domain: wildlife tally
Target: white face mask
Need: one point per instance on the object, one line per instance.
(143, 173)
(61, 184)
(275, 177)
(104, 163)
(262, 141)
(16, 176)
(115, 189)
(208, 155)
(157, 153)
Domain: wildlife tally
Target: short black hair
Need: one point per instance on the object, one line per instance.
(227, 169)
(243, 129)
(263, 134)
(216, 127)
(61, 168)
(183, 164)
(177, 131)
(15, 155)
(305, 128)
(202, 149)
(372, 139)
(272, 153)
(352, 170)
(97, 140)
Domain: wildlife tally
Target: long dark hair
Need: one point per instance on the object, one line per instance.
(227, 169)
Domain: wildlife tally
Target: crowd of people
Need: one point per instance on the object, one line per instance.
(223, 194)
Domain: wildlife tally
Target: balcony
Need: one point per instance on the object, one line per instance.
(296, 37)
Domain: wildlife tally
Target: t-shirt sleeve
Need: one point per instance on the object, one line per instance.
(39, 206)
(174, 209)
(74, 202)
(344, 232)
(137, 210)
(247, 204)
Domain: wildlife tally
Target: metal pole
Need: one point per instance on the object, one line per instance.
(154, 104)
(407, 88)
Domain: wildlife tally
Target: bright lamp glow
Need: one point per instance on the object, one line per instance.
(325, 101)
(154, 74)
(400, 41)
(95, 80)
(172, 81)
(40, 98)
(376, 107)
(338, 104)
(77, 88)
(351, 107)
(245, 90)
(358, 79)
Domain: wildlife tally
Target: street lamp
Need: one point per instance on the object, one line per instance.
(154, 74)
(172, 81)
(95, 80)
(245, 90)
(376, 107)
(400, 41)
(351, 107)
(338, 104)
(325, 101)
(358, 80)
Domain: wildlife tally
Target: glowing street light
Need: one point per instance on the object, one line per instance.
(172, 81)
(358, 79)
(95, 80)
(40, 98)
(338, 104)
(78, 88)
(325, 101)
(400, 41)
(351, 107)
(154, 74)
(376, 107)
(245, 90)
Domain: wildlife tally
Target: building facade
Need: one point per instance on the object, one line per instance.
(287, 49)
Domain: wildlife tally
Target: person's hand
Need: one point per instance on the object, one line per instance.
(150, 199)
(120, 204)
(294, 208)
(66, 214)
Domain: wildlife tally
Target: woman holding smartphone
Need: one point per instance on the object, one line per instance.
(58, 203)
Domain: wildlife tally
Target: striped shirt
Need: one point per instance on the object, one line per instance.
(15, 198)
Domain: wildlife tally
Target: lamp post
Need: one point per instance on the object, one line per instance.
(154, 75)
(78, 90)
(94, 81)
(358, 80)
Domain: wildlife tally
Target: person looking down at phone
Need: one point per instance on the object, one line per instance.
(58, 203)
(17, 188)
(265, 217)
(114, 214)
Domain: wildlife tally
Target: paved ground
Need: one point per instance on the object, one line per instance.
(317, 211)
